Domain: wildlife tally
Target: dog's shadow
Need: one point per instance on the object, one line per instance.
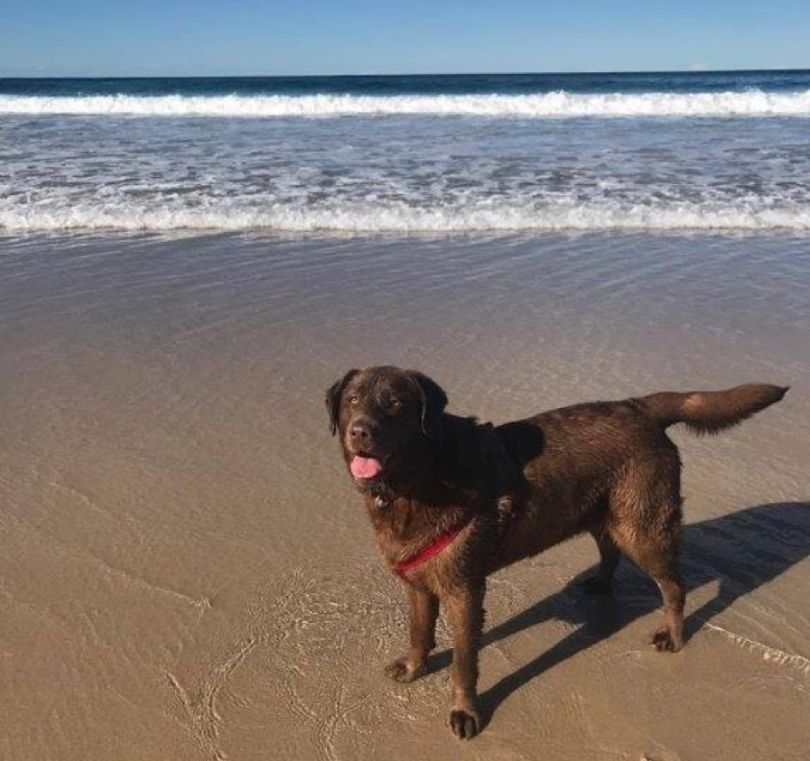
(742, 551)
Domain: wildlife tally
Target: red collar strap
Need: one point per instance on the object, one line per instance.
(509, 513)
(426, 553)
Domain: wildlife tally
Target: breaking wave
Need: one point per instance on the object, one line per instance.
(755, 103)
(599, 215)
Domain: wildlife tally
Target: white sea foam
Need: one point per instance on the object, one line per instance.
(600, 215)
(546, 105)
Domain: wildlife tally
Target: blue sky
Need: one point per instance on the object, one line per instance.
(202, 37)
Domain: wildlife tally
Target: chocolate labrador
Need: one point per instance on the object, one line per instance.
(452, 500)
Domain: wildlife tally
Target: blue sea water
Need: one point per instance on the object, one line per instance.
(421, 84)
(646, 151)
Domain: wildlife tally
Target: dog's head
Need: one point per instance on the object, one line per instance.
(388, 422)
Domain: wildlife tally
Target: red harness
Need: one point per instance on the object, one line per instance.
(505, 505)
(506, 509)
(426, 553)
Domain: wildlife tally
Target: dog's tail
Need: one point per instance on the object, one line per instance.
(711, 411)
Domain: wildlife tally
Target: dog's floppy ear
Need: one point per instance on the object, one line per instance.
(333, 394)
(433, 399)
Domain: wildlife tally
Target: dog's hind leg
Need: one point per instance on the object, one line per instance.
(645, 521)
(661, 562)
(670, 636)
(602, 582)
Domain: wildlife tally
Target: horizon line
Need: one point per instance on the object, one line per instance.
(695, 71)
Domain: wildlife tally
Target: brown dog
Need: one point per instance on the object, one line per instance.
(452, 500)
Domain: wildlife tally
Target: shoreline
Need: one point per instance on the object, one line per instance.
(186, 571)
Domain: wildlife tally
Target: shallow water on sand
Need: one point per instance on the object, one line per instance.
(186, 573)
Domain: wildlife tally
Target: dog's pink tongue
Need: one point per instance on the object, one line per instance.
(365, 467)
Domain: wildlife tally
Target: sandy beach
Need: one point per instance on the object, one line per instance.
(186, 572)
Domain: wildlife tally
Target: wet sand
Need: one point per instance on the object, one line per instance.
(186, 573)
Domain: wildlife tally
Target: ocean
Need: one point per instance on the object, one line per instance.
(722, 151)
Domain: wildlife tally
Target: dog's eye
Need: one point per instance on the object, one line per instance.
(354, 399)
(395, 403)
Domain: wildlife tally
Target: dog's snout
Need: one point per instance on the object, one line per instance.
(361, 433)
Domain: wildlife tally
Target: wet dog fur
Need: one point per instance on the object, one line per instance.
(605, 468)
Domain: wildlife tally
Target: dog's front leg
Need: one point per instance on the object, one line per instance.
(465, 609)
(424, 611)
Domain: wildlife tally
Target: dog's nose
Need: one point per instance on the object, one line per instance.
(360, 433)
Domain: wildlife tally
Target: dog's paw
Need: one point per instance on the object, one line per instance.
(663, 641)
(596, 585)
(464, 723)
(401, 670)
